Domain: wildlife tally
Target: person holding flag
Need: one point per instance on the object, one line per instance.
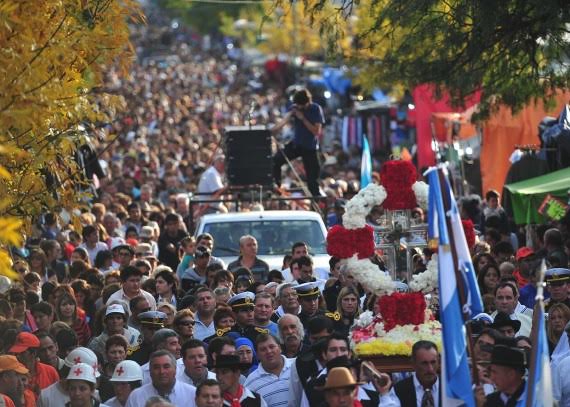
(460, 299)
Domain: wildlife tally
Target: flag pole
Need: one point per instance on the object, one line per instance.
(538, 306)
(458, 277)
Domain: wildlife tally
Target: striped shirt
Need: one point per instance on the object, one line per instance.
(274, 389)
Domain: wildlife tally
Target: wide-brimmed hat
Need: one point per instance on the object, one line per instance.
(229, 362)
(503, 355)
(502, 320)
(338, 378)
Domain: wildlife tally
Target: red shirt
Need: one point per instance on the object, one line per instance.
(521, 281)
(45, 376)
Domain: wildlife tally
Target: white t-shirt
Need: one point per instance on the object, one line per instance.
(99, 247)
(53, 396)
(210, 182)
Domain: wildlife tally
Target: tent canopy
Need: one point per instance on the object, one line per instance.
(528, 195)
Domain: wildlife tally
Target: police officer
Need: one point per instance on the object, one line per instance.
(557, 280)
(308, 294)
(242, 305)
(151, 321)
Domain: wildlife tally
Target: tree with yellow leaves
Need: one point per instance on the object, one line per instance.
(53, 56)
(288, 27)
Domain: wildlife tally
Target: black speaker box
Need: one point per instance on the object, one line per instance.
(248, 156)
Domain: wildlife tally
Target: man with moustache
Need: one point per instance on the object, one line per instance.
(292, 334)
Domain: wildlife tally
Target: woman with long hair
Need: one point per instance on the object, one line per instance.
(347, 309)
(66, 311)
(481, 260)
(82, 291)
(39, 264)
(558, 317)
(488, 278)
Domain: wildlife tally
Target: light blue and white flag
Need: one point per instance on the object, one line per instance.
(366, 164)
(538, 392)
(458, 291)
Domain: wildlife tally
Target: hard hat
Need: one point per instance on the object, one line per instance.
(82, 355)
(82, 371)
(127, 371)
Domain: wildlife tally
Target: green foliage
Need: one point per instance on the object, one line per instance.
(512, 50)
(204, 17)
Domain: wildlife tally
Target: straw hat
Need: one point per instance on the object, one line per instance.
(338, 378)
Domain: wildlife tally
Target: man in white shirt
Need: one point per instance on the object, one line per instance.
(507, 301)
(163, 383)
(271, 378)
(205, 308)
(91, 242)
(212, 186)
(297, 250)
(195, 359)
(166, 339)
(131, 287)
(423, 387)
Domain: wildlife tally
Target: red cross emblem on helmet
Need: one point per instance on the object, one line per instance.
(120, 371)
(77, 360)
(77, 372)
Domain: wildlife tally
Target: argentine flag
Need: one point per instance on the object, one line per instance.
(539, 388)
(366, 164)
(455, 373)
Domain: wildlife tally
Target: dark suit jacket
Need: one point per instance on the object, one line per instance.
(406, 392)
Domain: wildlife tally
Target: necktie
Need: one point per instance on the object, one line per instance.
(427, 399)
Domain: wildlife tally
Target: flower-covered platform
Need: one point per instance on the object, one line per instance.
(387, 338)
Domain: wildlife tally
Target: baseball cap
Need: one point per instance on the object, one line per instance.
(24, 341)
(524, 252)
(11, 363)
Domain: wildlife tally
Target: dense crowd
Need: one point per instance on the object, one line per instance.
(134, 310)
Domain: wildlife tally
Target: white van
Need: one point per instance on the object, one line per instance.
(275, 231)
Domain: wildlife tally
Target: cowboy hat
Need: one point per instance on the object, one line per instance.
(338, 378)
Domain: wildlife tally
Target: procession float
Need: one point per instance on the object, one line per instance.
(404, 312)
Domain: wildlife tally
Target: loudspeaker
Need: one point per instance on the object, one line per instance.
(248, 156)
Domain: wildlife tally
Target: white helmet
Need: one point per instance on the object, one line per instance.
(82, 371)
(127, 371)
(82, 355)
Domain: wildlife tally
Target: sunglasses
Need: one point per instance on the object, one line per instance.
(187, 323)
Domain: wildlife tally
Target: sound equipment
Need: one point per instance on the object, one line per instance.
(248, 156)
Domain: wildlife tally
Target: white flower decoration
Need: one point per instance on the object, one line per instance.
(364, 319)
(428, 280)
(421, 190)
(360, 205)
(370, 276)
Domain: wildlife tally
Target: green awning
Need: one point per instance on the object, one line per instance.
(527, 195)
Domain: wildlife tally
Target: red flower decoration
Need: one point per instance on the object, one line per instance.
(402, 309)
(397, 177)
(345, 243)
(469, 230)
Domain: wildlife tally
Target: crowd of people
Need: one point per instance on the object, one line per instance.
(133, 310)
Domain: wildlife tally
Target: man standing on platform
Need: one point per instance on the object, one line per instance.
(308, 124)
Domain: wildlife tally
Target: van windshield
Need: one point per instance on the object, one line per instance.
(274, 237)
